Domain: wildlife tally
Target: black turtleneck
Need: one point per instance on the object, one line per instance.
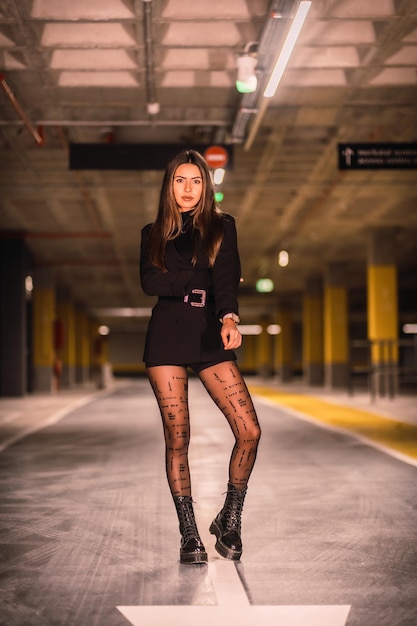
(184, 241)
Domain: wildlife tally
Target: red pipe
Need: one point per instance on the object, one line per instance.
(38, 137)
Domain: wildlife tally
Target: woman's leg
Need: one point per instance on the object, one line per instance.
(170, 386)
(226, 386)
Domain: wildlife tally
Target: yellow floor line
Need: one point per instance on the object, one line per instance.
(387, 432)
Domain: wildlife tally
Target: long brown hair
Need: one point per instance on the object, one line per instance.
(207, 221)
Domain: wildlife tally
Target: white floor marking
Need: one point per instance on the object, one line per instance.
(55, 417)
(48, 421)
(244, 616)
(233, 607)
(9, 417)
(227, 585)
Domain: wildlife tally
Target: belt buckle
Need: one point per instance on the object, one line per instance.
(202, 293)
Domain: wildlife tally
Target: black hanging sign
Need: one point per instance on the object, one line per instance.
(133, 156)
(377, 156)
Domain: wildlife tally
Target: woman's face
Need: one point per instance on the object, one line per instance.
(187, 186)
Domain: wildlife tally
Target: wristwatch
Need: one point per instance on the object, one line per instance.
(232, 316)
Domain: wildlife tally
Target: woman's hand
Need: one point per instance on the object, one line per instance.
(230, 335)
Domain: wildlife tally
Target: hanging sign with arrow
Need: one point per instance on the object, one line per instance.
(377, 156)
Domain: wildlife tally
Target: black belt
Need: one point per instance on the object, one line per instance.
(196, 297)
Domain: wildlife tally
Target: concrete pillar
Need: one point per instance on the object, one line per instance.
(43, 317)
(313, 332)
(13, 335)
(99, 354)
(284, 343)
(336, 348)
(66, 316)
(82, 346)
(382, 292)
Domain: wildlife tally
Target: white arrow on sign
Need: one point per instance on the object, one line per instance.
(348, 153)
(233, 607)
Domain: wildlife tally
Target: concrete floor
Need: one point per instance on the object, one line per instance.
(89, 535)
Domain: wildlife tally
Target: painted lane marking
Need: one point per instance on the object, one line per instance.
(6, 418)
(244, 616)
(232, 601)
(48, 421)
(227, 584)
(57, 416)
(393, 437)
(233, 607)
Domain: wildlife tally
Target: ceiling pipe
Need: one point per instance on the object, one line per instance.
(278, 70)
(153, 105)
(253, 105)
(95, 123)
(38, 136)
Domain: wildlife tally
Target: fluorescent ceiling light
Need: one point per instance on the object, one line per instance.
(273, 329)
(287, 48)
(283, 258)
(123, 312)
(410, 329)
(250, 329)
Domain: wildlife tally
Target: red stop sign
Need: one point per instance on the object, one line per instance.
(216, 156)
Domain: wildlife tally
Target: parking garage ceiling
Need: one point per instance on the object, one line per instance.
(163, 72)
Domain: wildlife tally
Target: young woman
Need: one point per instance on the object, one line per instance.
(190, 260)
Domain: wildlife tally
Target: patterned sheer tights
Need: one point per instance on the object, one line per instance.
(228, 390)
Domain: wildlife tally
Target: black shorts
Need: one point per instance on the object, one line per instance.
(196, 367)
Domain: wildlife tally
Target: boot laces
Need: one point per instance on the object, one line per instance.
(233, 510)
(188, 526)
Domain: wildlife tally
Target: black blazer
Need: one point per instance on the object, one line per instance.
(179, 333)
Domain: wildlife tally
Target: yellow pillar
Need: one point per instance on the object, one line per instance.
(313, 332)
(382, 292)
(284, 343)
(336, 348)
(43, 307)
(66, 315)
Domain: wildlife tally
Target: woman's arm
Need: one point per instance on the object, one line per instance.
(226, 271)
(226, 279)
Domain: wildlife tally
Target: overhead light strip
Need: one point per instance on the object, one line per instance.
(287, 49)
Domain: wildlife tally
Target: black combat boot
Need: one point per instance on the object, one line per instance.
(226, 526)
(192, 549)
